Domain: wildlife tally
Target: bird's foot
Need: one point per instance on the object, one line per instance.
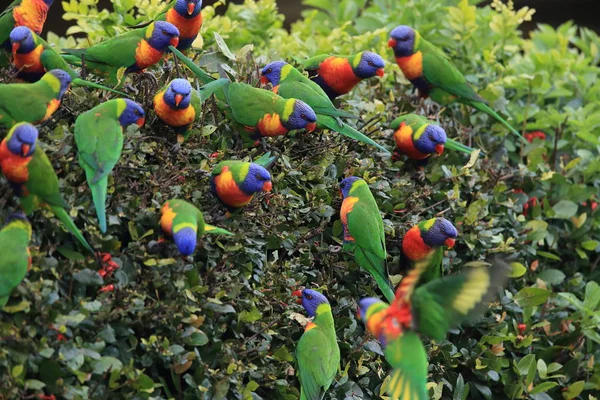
(176, 148)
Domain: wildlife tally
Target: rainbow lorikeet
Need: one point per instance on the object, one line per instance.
(288, 82)
(317, 352)
(338, 75)
(16, 258)
(425, 241)
(30, 173)
(99, 139)
(234, 182)
(32, 102)
(418, 138)
(29, 13)
(186, 15)
(132, 51)
(185, 224)
(178, 105)
(363, 231)
(430, 309)
(430, 71)
(33, 57)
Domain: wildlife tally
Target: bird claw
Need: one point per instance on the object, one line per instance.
(176, 148)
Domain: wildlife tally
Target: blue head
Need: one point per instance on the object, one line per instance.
(364, 305)
(64, 80)
(21, 139)
(310, 300)
(22, 40)
(133, 113)
(442, 232)
(188, 8)
(185, 239)
(258, 179)
(48, 2)
(402, 41)
(301, 117)
(272, 73)
(161, 34)
(431, 140)
(370, 64)
(179, 94)
(16, 217)
(347, 184)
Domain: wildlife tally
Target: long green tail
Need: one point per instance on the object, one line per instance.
(484, 108)
(99, 197)
(81, 82)
(62, 215)
(347, 130)
(203, 76)
(365, 261)
(213, 229)
(265, 160)
(456, 146)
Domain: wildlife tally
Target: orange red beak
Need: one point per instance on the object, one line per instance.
(178, 98)
(25, 149)
(174, 41)
(380, 72)
(449, 243)
(298, 293)
(311, 127)
(392, 42)
(264, 80)
(16, 46)
(439, 149)
(267, 186)
(140, 122)
(191, 7)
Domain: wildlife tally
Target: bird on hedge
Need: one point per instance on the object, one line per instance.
(178, 105)
(432, 72)
(32, 102)
(185, 224)
(431, 310)
(16, 258)
(33, 57)
(288, 82)
(418, 138)
(234, 183)
(186, 15)
(132, 51)
(99, 139)
(30, 173)
(338, 75)
(427, 240)
(29, 13)
(317, 352)
(363, 231)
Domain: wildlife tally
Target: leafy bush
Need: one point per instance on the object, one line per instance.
(221, 324)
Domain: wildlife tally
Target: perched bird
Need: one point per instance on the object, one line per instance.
(234, 183)
(430, 71)
(132, 51)
(178, 106)
(29, 172)
(32, 102)
(185, 224)
(338, 75)
(33, 57)
(186, 15)
(317, 352)
(29, 13)
(431, 310)
(418, 138)
(425, 241)
(99, 139)
(363, 231)
(288, 82)
(16, 258)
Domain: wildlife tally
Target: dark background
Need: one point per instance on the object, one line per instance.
(553, 12)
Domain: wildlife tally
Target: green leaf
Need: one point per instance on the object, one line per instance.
(250, 316)
(565, 209)
(107, 363)
(145, 383)
(550, 256)
(529, 297)
(574, 390)
(283, 354)
(88, 277)
(198, 339)
(543, 387)
(542, 368)
(517, 270)
(525, 364)
(552, 276)
(590, 245)
(34, 384)
(223, 46)
(592, 295)
(461, 391)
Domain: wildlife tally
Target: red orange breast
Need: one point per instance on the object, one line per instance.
(404, 143)
(170, 116)
(146, 55)
(413, 245)
(347, 206)
(228, 191)
(338, 74)
(51, 109)
(411, 66)
(270, 125)
(13, 167)
(32, 14)
(30, 62)
(188, 27)
(166, 219)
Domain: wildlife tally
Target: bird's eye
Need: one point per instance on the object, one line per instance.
(165, 33)
(309, 297)
(136, 112)
(371, 64)
(257, 176)
(303, 116)
(268, 71)
(404, 39)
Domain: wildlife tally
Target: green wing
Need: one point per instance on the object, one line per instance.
(444, 303)
(43, 181)
(303, 89)
(24, 102)
(116, 52)
(265, 160)
(52, 60)
(440, 72)
(312, 351)
(434, 268)
(408, 380)
(7, 22)
(15, 259)
(249, 104)
(413, 120)
(312, 64)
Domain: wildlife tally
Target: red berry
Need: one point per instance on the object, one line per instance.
(522, 328)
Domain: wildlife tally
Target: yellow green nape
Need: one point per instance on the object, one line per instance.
(356, 184)
(13, 129)
(285, 70)
(472, 291)
(428, 224)
(420, 131)
(374, 309)
(149, 30)
(323, 308)
(53, 81)
(288, 109)
(183, 225)
(356, 59)
(121, 106)
(20, 224)
(417, 40)
(244, 171)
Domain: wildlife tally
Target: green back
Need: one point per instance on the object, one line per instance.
(188, 214)
(14, 239)
(43, 181)
(364, 221)
(249, 104)
(24, 102)
(313, 63)
(413, 120)
(407, 355)
(239, 169)
(318, 355)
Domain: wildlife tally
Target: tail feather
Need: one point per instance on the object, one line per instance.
(484, 108)
(99, 190)
(265, 160)
(62, 215)
(347, 130)
(213, 229)
(456, 146)
(203, 76)
(376, 267)
(81, 82)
